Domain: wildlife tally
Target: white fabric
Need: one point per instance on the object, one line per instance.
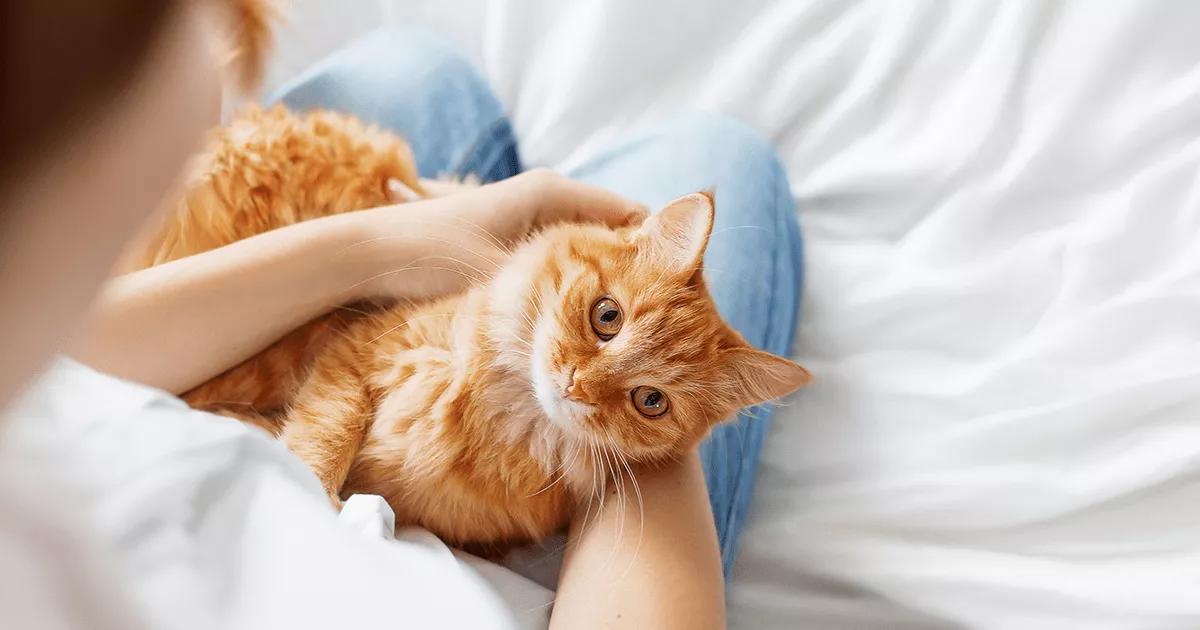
(1003, 305)
(208, 523)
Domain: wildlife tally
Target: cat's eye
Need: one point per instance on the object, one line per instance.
(649, 401)
(606, 318)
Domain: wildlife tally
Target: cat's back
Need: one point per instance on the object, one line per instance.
(269, 168)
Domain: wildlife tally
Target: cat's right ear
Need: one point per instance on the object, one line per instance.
(674, 238)
(760, 376)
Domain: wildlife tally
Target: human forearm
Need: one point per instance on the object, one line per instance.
(178, 324)
(662, 573)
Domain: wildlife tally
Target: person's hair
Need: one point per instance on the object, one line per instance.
(63, 60)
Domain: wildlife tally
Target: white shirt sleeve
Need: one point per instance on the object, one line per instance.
(204, 522)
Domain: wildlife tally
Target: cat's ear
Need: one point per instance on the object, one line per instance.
(674, 238)
(761, 376)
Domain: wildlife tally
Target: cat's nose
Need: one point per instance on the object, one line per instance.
(573, 389)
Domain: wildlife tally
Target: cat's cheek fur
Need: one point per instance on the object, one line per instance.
(569, 415)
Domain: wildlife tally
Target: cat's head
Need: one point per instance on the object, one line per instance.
(625, 346)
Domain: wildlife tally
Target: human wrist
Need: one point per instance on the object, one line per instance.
(356, 249)
(524, 196)
(412, 251)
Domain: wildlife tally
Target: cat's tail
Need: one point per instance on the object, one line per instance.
(248, 40)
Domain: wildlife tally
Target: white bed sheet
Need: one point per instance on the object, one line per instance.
(1002, 309)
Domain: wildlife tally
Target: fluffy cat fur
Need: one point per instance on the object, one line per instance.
(486, 417)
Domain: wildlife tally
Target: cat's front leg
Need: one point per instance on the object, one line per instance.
(326, 424)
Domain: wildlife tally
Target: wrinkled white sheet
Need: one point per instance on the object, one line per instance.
(1003, 301)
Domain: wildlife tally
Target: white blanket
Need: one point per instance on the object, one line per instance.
(1001, 206)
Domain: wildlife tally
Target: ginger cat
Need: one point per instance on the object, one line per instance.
(487, 417)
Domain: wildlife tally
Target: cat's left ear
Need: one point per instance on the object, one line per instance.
(761, 376)
(674, 238)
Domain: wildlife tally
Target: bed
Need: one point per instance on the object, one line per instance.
(1001, 203)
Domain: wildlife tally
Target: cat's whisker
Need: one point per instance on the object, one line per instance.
(592, 494)
(617, 484)
(455, 223)
(495, 240)
(564, 466)
(541, 606)
(410, 266)
(622, 489)
(527, 320)
(501, 347)
(421, 237)
(603, 477)
(536, 294)
(730, 228)
(345, 307)
(530, 322)
(708, 270)
(567, 462)
(482, 274)
(471, 228)
(552, 483)
(661, 274)
(641, 513)
(591, 491)
(599, 475)
(413, 266)
(402, 324)
(499, 343)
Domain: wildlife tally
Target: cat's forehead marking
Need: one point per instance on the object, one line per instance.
(587, 258)
(646, 354)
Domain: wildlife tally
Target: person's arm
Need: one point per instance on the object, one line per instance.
(176, 325)
(665, 574)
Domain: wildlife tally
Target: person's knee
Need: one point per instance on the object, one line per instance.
(415, 83)
(411, 68)
(718, 135)
(403, 60)
(741, 160)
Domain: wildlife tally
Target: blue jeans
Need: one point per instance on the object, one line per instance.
(414, 83)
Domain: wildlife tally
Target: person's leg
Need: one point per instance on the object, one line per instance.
(414, 83)
(754, 265)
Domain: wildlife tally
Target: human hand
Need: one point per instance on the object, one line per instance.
(534, 199)
(543, 197)
(461, 236)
